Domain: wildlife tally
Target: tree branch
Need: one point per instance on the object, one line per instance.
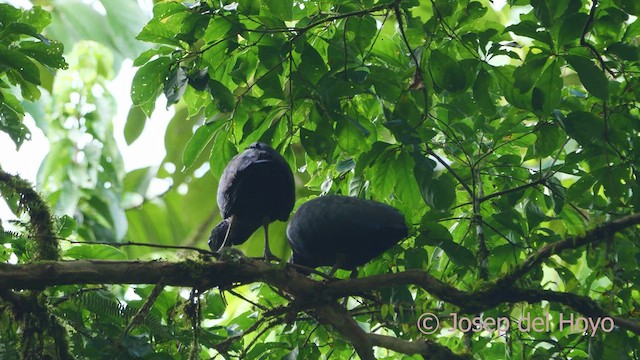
(315, 296)
(599, 234)
(427, 348)
(204, 276)
(583, 39)
(512, 190)
(338, 317)
(133, 243)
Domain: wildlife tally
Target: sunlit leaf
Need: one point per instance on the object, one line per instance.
(136, 120)
(148, 81)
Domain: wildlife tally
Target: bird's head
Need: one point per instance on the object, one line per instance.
(216, 239)
(239, 233)
(263, 147)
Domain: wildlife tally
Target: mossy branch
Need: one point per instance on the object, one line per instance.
(42, 229)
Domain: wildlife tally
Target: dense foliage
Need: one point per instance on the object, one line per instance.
(508, 136)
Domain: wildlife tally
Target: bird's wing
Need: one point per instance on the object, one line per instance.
(232, 178)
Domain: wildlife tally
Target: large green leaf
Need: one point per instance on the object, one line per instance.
(280, 9)
(438, 193)
(199, 141)
(585, 127)
(593, 79)
(448, 73)
(136, 121)
(149, 80)
(20, 64)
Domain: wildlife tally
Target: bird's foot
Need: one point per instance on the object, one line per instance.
(228, 253)
(269, 257)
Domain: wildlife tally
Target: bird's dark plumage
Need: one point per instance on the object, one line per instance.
(343, 232)
(256, 188)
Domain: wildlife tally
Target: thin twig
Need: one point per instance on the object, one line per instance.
(131, 243)
(146, 307)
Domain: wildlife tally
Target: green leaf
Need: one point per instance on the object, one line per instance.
(593, 79)
(510, 219)
(221, 153)
(95, 252)
(148, 81)
(481, 87)
(415, 258)
(67, 226)
(125, 19)
(249, 7)
(448, 73)
(350, 137)
(36, 17)
(175, 85)
(571, 28)
(406, 186)
(244, 68)
(402, 131)
(546, 94)
(47, 54)
(629, 6)
(224, 98)
(22, 29)
(369, 157)
(585, 127)
(432, 234)
(535, 216)
(316, 144)
(531, 30)
(20, 63)
(624, 51)
(548, 138)
(217, 29)
(136, 120)
(76, 20)
(527, 75)
(511, 93)
(361, 30)
(345, 165)
(406, 110)
(11, 114)
(8, 15)
(385, 164)
(137, 346)
(613, 179)
(459, 254)
(144, 57)
(215, 306)
(558, 194)
(440, 193)
(138, 180)
(312, 66)
(199, 142)
(167, 20)
(280, 9)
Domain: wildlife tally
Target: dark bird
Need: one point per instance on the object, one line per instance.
(343, 232)
(256, 188)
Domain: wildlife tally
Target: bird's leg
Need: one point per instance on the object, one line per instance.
(353, 275)
(339, 262)
(268, 256)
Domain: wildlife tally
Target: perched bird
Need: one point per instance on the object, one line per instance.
(343, 232)
(256, 188)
